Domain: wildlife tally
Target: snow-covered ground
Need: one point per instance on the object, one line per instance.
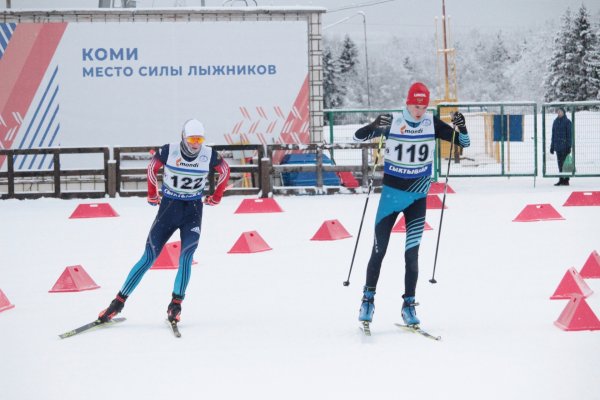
(280, 325)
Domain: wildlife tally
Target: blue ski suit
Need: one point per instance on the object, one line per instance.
(409, 152)
(180, 209)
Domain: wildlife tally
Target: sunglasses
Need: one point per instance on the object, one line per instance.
(195, 139)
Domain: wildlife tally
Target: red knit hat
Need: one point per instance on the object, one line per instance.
(418, 94)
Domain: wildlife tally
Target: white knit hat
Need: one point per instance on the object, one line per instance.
(192, 127)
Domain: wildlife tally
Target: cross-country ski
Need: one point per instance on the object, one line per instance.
(174, 328)
(417, 329)
(92, 325)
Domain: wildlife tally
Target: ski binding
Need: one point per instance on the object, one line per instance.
(417, 329)
(174, 328)
(366, 328)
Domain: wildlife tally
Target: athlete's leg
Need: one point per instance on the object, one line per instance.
(162, 228)
(383, 230)
(415, 223)
(190, 236)
(391, 203)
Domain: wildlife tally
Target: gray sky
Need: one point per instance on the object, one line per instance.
(402, 18)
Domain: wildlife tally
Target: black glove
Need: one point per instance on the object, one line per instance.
(383, 121)
(458, 120)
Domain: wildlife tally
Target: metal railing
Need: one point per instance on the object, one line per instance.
(503, 137)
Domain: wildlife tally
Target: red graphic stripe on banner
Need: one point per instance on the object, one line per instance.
(22, 69)
(295, 129)
(279, 112)
(261, 138)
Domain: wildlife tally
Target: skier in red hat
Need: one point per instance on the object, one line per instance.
(409, 151)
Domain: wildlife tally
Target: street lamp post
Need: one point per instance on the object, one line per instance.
(364, 17)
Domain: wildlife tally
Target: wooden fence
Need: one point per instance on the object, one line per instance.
(125, 173)
(54, 182)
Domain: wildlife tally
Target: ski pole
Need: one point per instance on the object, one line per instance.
(432, 280)
(347, 281)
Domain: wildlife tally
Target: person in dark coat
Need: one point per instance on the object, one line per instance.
(561, 142)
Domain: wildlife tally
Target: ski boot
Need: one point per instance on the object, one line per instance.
(174, 309)
(367, 307)
(409, 315)
(115, 307)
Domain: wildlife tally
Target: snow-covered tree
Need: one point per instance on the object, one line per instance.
(351, 84)
(496, 63)
(331, 80)
(482, 69)
(573, 73)
(529, 63)
(396, 64)
(408, 64)
(540, 62)
(388, 83)
(469, 69)
(348, 57)
(559, 83)
(588, 51)
(592, 64)
(585, 42)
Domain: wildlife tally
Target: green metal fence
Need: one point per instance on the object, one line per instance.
(340, 126)
(585, 129)
(503, 138)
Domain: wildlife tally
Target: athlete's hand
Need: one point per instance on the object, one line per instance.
(458, 120)
(383, 121)
(153, 201)
(212, 200)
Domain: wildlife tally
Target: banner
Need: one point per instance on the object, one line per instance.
(84, 84)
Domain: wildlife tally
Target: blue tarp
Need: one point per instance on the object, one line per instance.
(307, 178)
